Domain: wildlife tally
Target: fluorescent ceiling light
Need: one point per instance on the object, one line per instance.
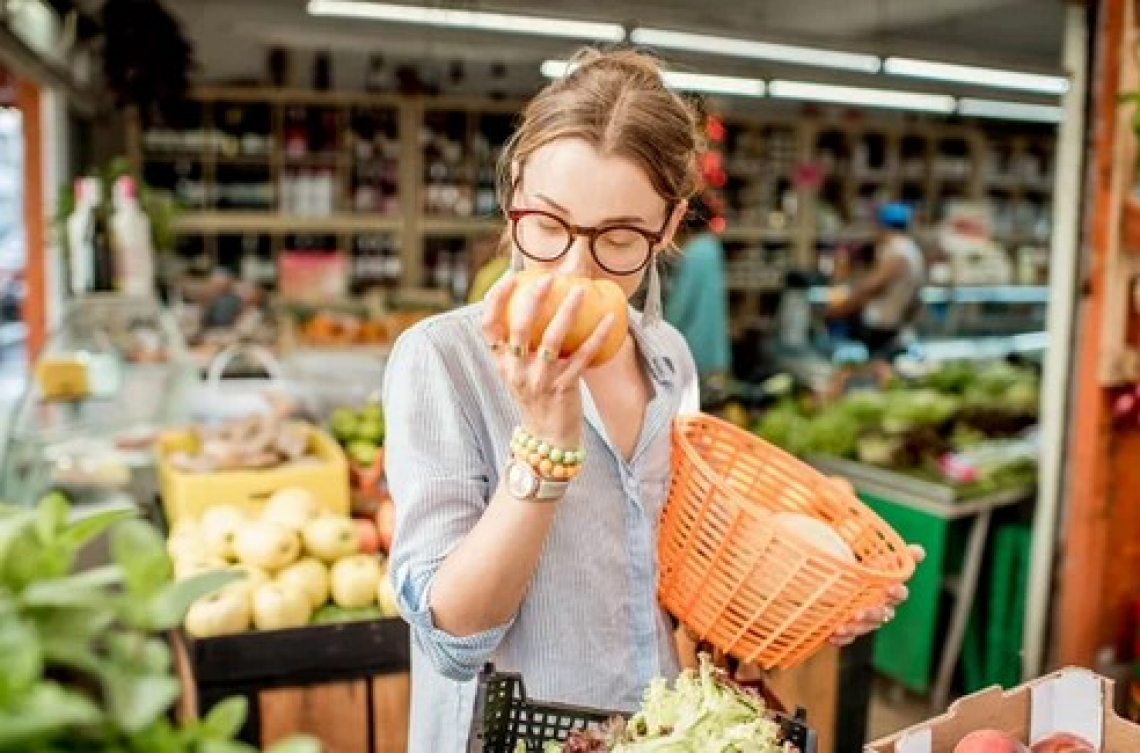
(972, 74)
(692, 82)
(990, 108)
(468, 19)
(746, 48)
(854, 95)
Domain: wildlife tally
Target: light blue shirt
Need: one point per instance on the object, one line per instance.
(697, 302)
(590, 631)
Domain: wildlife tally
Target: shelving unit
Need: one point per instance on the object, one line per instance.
(405, 184)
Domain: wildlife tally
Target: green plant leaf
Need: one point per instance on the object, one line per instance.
(139, 549)
(76, 625)
(21, 660)
(225, 719)
(29, 561)
(85, 529)
(85, 589)
(134, 701)
(46, 709)
(51, 516)
(12, 528)
(298, 744)
(167, 608)
(139, 652)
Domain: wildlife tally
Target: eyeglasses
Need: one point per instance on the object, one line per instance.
(618, 249)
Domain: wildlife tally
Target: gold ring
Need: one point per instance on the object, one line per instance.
(547, 354)
(518, 350)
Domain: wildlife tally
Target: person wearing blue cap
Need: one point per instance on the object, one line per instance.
(887, 300)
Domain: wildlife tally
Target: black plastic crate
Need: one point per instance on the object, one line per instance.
(504, 715)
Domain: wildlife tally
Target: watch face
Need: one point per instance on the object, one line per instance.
(521, 479)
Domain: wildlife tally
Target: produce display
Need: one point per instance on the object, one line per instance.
(360, 431)
(966, 424)
(299, 565)
(599, 297)
(263, 439)
(703, 711)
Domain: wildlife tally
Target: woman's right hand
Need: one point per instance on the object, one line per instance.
(544, 386)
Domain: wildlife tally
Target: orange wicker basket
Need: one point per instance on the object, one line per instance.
(735, 577)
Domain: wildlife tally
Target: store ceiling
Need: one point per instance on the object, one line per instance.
(232, 35)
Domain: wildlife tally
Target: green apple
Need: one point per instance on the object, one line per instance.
(354, 580)
(309, 576)
(221, 613)
(362, 453)
(330, 537)
(370, 431)
(343, 423)
(276, 607)
(219, 526)
(268, 545)
(291, 507)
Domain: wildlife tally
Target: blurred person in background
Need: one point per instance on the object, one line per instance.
(697, 300)
(883, 304)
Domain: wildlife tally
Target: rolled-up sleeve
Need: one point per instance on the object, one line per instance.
(439, 481)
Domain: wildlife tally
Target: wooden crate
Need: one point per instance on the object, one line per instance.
(346, 684)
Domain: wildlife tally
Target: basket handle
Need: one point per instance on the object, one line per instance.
(222, 360)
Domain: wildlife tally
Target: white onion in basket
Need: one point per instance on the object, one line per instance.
(815, 531)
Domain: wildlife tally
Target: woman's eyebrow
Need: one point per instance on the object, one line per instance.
(608, 221)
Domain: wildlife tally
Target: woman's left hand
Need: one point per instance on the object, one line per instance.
(875, 617)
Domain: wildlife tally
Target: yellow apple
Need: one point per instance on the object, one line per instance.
(268, 545)
(253, 577)
(197, 563)
(276, 607)
(309, 576)
(221, 613)
(354, 580)
(386, 597)
(291, 507)
(219, 526)
(330, 538)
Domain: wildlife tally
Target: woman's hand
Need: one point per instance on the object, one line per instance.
(874, 618)
(545, 386)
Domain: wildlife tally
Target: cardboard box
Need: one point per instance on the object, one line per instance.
(1073, 700)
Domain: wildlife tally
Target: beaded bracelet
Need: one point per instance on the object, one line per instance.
(549, 461)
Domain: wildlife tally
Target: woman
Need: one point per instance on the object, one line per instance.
(554, 580)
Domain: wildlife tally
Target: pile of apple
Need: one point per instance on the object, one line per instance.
(301, 565)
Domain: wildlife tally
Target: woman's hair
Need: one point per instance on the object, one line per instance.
(616, 101)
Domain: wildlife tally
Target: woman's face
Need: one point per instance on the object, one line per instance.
(571, 180)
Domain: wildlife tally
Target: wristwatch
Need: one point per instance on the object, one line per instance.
(524, 483)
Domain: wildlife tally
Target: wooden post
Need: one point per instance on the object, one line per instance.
(1099, 557)
(35, 233)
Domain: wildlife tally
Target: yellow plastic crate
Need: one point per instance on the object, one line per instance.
(187, 495)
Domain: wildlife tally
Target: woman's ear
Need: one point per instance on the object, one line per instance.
(675, 219)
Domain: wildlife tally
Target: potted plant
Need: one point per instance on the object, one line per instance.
(83, 666)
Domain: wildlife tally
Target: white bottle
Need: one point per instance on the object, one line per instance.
(81, 250)
(134, 252)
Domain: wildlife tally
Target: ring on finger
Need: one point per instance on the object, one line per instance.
(518, 350)
(547, 354)
(496, 345)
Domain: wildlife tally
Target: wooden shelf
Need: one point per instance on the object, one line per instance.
(438, 225)
(273, 223)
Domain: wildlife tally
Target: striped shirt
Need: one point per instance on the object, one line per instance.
(590, 631)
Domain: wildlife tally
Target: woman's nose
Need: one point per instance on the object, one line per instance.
(578, 260)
